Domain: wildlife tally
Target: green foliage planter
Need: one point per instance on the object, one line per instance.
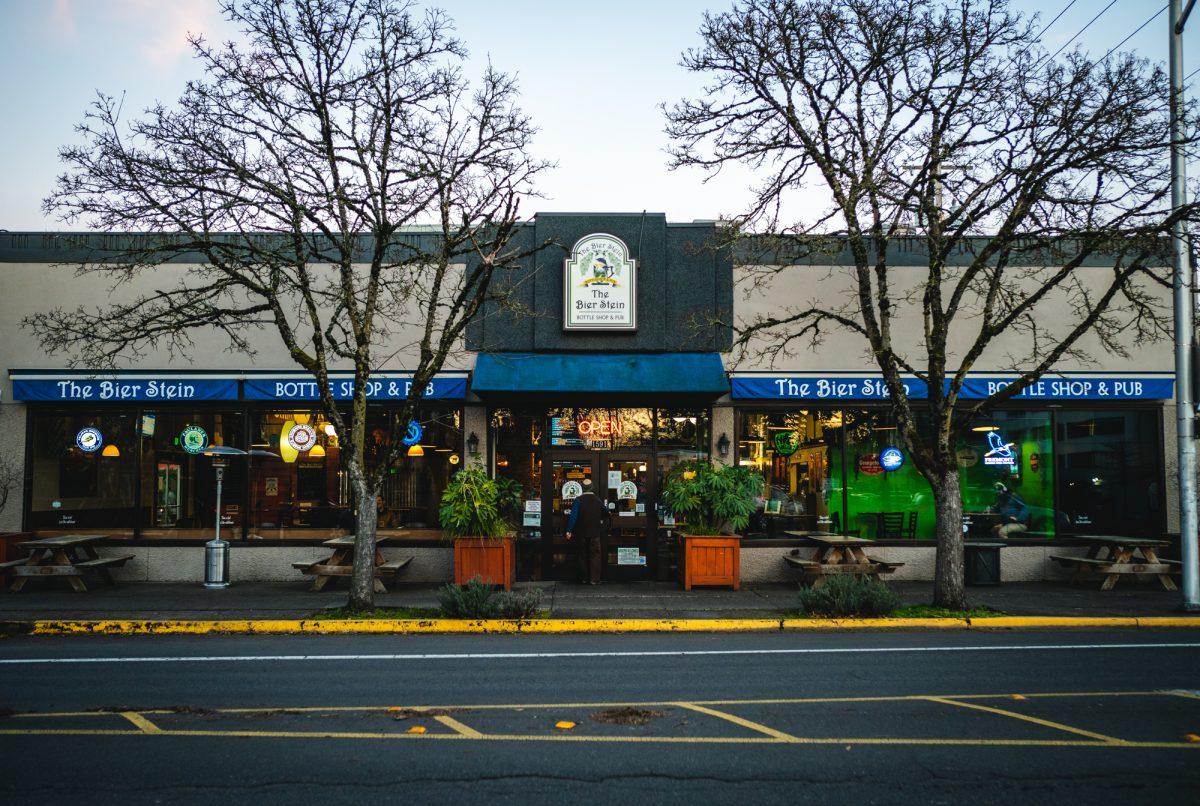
(473, 513)
(713, 502)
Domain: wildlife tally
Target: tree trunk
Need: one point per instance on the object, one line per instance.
(948, 590)
(362, 581)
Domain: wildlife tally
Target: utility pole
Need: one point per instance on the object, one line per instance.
(1185, 410)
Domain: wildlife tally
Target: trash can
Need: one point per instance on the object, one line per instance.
(981, 562)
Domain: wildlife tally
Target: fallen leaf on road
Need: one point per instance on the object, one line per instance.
(1192, 737)
(564, 725)
(417, 729)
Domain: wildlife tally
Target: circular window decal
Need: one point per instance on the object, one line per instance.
(414, 433)
(89, 440)
(193, 439)
(891, 459)
(302, 437)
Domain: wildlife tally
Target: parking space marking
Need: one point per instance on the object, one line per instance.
(737, 720)
(140, 719)
(141, 723)
(1025, 718)
(458, 727)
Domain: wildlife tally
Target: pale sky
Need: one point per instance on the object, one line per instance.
(592, 76)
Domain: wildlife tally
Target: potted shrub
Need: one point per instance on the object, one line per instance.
(713, 502)
(472, 512)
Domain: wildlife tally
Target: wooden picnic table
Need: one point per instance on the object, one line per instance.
(65, 556)
(341, 563)
(1113, 557)
(837, 554)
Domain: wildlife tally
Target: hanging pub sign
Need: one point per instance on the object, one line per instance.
(89, 440)
(301, 437)
(868, 464)
(891, 459)
(600, 285)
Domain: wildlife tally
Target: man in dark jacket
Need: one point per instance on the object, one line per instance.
(586, 523)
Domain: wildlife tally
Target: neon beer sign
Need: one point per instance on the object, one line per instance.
(599, 429)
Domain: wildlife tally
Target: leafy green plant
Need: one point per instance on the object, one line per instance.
(476, 599)
(710, 498)
(849, 595)
(472, 505)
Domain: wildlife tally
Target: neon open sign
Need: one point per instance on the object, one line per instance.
(599, 428)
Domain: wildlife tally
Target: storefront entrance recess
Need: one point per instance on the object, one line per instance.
(624, 481)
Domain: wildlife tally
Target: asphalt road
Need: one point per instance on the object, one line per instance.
(1006, 717)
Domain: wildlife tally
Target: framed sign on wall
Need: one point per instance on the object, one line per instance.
(600, 285)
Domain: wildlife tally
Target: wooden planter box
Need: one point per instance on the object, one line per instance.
(494, 561)
(710, 560)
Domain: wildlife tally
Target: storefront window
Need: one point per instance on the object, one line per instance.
(178, 484)
(799, 455)
(84, 472)
(601, 428)
(412, 490)
(516, 435)
(1109, 476)
(300, 489)
(1006, 473)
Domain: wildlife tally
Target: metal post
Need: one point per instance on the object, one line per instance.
(1184, 328)
(216, 551)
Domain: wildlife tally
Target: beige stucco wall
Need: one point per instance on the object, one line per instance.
(771, 290)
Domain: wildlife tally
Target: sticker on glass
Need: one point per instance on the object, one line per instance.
(572, 489)
(193, 439)
(89, 440)
(302, 437)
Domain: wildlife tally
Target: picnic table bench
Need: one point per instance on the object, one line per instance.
(341, 563)
(63, 556)
(836, 554)
(1113, 557)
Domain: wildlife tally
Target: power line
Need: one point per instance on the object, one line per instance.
(1084, 28)
(1065, 9)
(1135, 32)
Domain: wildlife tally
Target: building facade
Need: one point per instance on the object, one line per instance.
(615, 363)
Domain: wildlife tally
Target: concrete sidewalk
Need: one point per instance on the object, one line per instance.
(646, 600)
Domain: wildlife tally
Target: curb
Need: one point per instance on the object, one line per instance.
(543, 626)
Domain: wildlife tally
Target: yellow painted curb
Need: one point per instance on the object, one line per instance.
(467, 626)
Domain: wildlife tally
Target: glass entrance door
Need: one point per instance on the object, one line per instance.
(629, 553)
(564, 483)
(624, 482)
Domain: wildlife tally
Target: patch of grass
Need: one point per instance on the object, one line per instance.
(349, 614)
(928, 611)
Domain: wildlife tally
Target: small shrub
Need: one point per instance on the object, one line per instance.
(523, 604)
(473, 600)
(849, 595)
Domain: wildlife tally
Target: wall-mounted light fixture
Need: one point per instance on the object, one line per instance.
(723, 445)
(473, 444)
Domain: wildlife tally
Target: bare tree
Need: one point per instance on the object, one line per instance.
(291, 178)
(942, 122)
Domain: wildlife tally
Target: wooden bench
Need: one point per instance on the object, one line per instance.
(1122, 563)
(322, 567)
(341, 563)
(888, 564)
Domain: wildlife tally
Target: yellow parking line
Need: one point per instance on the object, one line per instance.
(459, 727)
(737, 720)
(143, 724)
(1033, 719)
(857, 740)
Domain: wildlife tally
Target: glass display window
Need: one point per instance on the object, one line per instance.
(83, 472)
(1007, 476)
(178, 483)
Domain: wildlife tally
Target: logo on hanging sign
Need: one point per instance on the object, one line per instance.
(999, 451)
(89, 440)
(891, 459)
(193, 439)
(414, 433)
(302, 437)
(599, 285)
(786, 442)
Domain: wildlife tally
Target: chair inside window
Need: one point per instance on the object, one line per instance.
(898, 525)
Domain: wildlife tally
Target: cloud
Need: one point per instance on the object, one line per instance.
(161, 27)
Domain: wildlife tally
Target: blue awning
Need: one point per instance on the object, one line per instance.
(601, 373)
